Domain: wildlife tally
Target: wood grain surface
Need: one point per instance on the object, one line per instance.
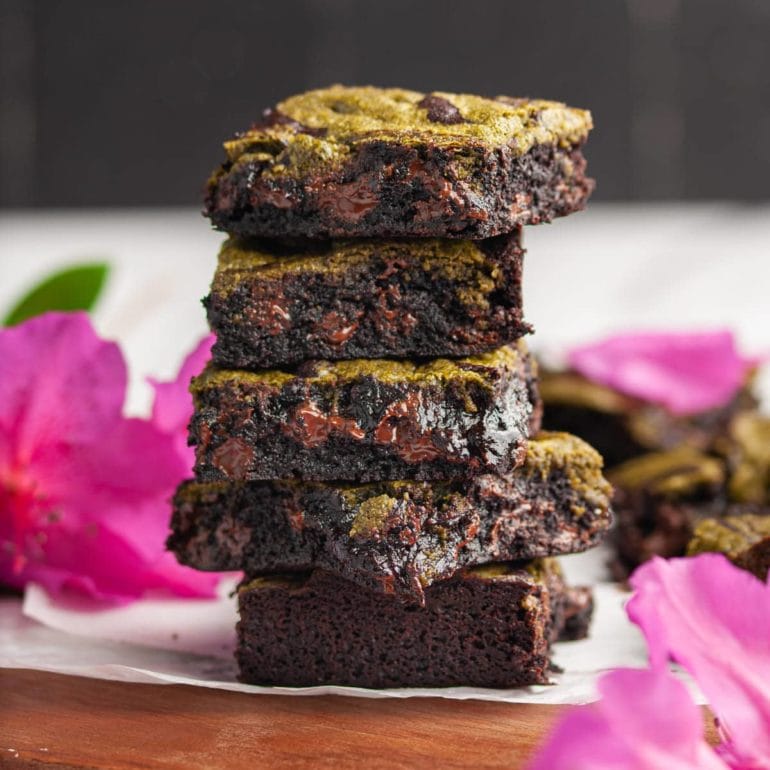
(50, 720)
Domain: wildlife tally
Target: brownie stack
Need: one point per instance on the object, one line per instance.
(368, 445)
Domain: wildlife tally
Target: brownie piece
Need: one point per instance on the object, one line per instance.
(747, 447)
(621, 427)
(372, 162)
(398, 537)
(274, 305)
(487, 627)
(573, 616)
(366, 420)
(659, 497)
(744, 539)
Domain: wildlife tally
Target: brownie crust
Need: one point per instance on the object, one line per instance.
(370, 162)
(366, 420)
(398, 537)
(274, 305)
(489, 627)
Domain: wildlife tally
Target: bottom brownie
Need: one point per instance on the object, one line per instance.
(489, 626)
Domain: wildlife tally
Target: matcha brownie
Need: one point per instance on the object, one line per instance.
(488, 627)
(744, 539)
(659, 498)
(372, 162)
(366, 420)
(621, 427)
(276, 306)
(398, 537)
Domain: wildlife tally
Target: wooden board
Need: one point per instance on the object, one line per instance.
(50, 720)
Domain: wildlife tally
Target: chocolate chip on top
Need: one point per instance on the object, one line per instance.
(440, 110)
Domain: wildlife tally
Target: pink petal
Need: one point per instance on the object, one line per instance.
(103, 565)
(172, 408)
(645, 720)
(714, 620)
(58, 383)
(686, 373)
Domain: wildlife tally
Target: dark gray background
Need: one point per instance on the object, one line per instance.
(125, 103)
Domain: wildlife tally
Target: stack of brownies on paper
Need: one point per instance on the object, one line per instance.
(367, 433)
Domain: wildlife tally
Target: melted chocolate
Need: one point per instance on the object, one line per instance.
(234, 458)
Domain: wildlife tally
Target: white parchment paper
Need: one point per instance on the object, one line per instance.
(182, 641)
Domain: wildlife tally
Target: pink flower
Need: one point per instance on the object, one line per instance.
(172, 408)
(645, 720)
(686, 373)
(84, 491)
(714, 620)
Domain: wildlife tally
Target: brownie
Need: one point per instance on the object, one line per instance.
(744, 539)
(573, 615)
(747, 447)
(487, 627)
(398, 537)
(659, 497)
(272, 305)
(372, 162)
(366, 420)
(621, 427)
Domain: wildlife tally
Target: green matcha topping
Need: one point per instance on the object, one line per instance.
(457, 260)
(750, 482)
(731, 535)
(353, 115)
(441, 370)
(286, 580)
(678, 473)
(538, 569)
(372, 514)
(580, 463)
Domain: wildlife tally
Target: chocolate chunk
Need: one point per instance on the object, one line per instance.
(440, 110)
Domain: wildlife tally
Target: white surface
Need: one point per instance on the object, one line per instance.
(609, 269)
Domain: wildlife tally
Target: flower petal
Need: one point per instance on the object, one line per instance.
(103, 565)
(714, 620)
(84, 492)
(645, 720)
(686, 373)
(58, 383)
(172, 408)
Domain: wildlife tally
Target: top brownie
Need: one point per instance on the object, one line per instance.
(377, 162)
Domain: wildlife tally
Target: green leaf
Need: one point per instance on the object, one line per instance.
(74, 288)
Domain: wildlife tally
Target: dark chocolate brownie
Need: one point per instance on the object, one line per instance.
(573, 617)
(621, 427)
(487, 627)
(273, 306)
(398, 536)
(658, 499)
(744, 539)
(371, 162)
(366, 420)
